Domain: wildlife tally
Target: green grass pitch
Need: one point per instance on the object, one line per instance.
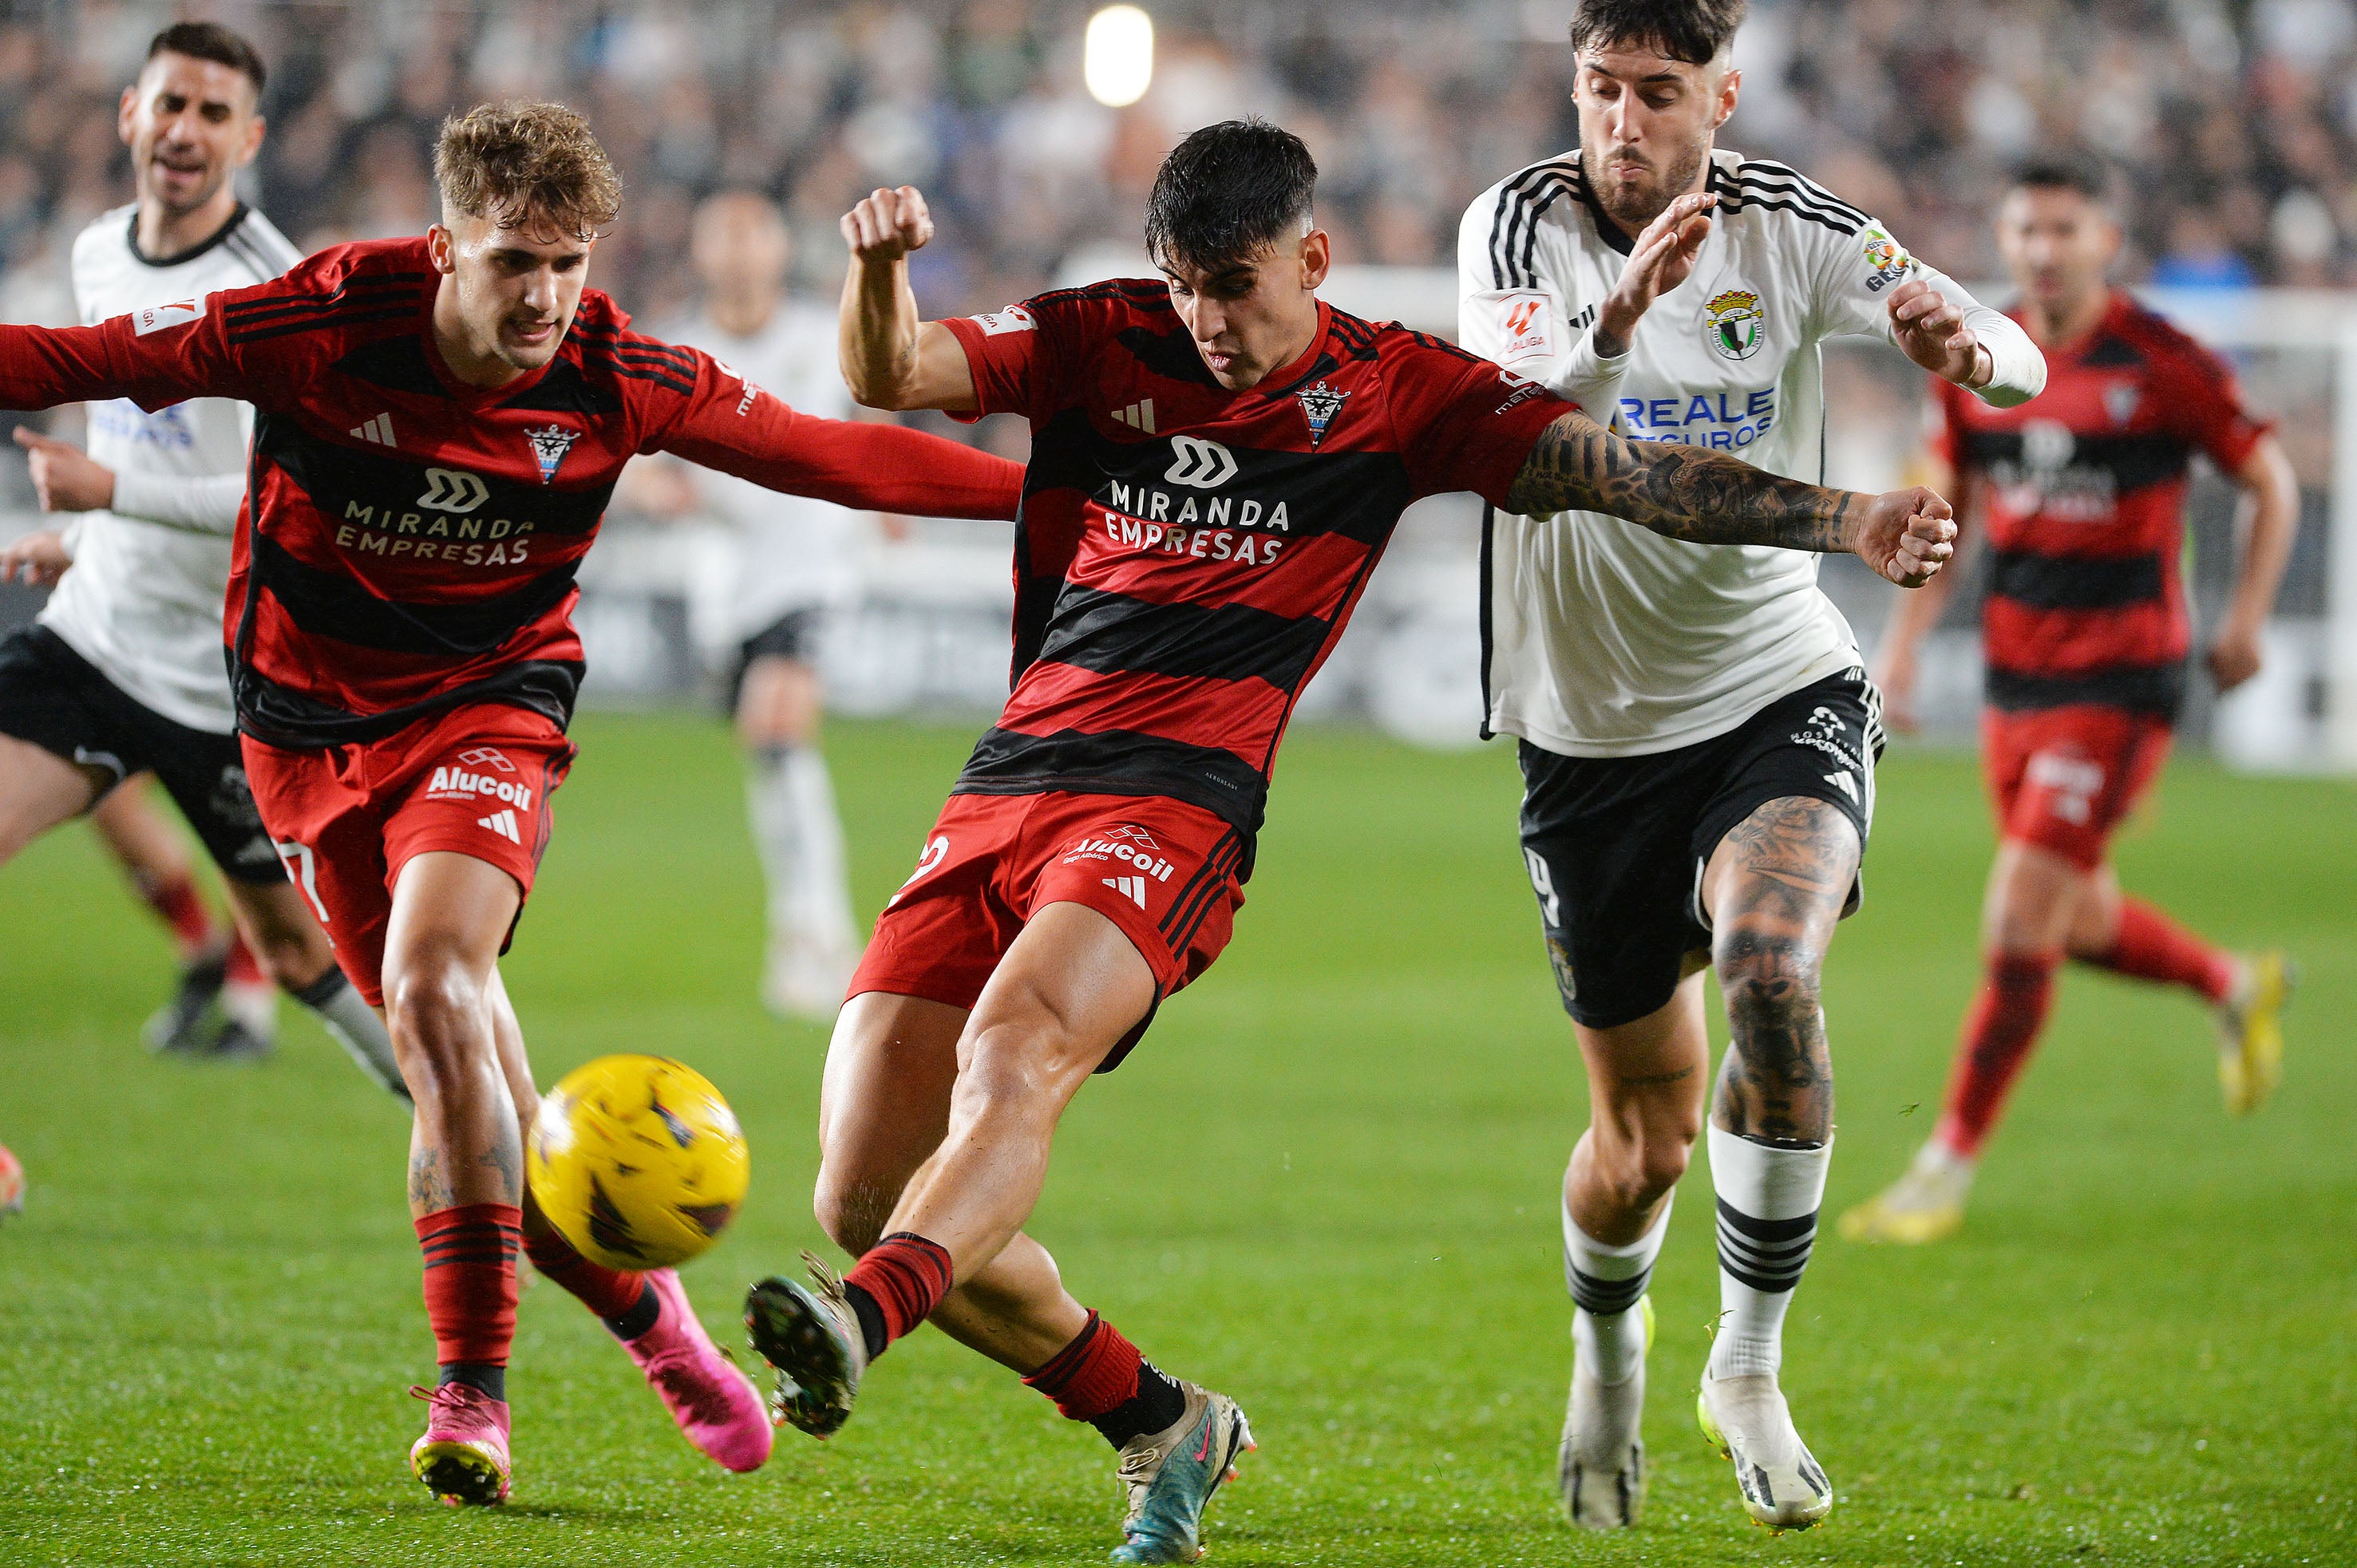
(1326, 1184)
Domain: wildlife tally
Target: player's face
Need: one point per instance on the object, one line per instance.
(2056, 244)
(741, 247)
(1252, 316)
(190, 124)
(515, 289)
(1645, 127)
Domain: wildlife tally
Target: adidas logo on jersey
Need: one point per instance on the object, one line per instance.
(504, 824)
(1131, 887)
(1138, 415)
(378, 430)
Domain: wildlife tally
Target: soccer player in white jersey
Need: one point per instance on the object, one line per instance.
(792, 560)
(1697, 737)
(122, 672)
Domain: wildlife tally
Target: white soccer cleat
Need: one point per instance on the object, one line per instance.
(1746, 1421)
(1600, 1466)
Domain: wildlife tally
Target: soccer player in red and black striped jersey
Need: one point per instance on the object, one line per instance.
(1218, 460)
(2082, 495)
(438, 424)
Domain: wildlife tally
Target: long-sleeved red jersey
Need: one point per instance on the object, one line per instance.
(410, 541)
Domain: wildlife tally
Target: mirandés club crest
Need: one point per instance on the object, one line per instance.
(1320, 404)
(550, 443)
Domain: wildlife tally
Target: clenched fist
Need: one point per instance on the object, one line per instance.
(1907, 536)
(888, 224)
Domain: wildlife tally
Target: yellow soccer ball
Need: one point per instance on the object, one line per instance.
(637, 1161)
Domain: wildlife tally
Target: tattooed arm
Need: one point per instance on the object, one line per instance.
(1710, 498)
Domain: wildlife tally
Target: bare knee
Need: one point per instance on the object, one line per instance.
(853, 1210)
(436, 1008)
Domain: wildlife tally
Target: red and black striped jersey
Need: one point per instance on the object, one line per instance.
(2083, 495)
(410, 541)
(1187, 556)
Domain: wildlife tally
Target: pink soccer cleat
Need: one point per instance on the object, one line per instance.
(463, 1457)
(715, 1406)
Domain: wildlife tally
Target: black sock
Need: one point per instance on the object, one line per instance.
(481, 1376)
(640, 1318)
(331, 984)
(871, 1319)
(1156, 1405)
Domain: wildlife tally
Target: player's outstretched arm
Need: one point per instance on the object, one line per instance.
(890, 359)
(155, 357)
(1709, 498)
(738, 428)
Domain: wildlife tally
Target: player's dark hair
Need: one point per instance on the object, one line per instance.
(2070, 169)
(211, 41)
(1228, 192)
(1691, 30)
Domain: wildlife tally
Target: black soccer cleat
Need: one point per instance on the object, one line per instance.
(179, 1026)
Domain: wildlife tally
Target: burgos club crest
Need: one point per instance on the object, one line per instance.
(1733, 323)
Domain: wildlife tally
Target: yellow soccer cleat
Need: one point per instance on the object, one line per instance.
(2250, 1033)
(1925, 1205)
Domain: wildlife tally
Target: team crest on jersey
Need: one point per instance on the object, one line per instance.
(1733, 322)
(1320, 404)
(550, 443)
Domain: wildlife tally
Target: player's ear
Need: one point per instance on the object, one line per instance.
(439, 243)
(254, 132)
(1317, 258)
(1731, 87)
(124, 110)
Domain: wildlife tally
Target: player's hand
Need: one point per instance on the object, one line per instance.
(888, 224)
(1894, 677)
(2234, 657)
(1907, 536)
(37, 560)
(1662, 258)
(65, 477)
(1931, 331)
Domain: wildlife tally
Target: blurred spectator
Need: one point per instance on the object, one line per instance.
(2234, 122)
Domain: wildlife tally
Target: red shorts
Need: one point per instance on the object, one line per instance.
(1160, 869)
(2064, 779)
(346, 820)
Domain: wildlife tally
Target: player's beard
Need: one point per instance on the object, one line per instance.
(1631, 209)
(180, 206)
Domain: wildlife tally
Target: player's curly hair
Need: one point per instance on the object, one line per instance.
(1689, 30)
(527, 166)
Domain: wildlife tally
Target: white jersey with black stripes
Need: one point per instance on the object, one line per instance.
(1604, 638)
(144, 600)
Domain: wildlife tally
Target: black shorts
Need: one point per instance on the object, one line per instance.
(54, 698)
(1615, 846)
(793, 635)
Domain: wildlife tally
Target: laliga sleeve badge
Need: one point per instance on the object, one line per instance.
(1525, 328)
(550, 443)
(1732, 322)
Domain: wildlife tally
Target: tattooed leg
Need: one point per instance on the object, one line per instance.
(1775, 887)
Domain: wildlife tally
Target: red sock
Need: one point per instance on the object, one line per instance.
(471, 1282)
(608, 1293)
(244, 969)
(1093, 1375)
(1999, 1034)
(905, 1276)
(178, 905)
(2151, 946)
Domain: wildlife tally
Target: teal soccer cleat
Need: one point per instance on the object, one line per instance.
(1172, 1474)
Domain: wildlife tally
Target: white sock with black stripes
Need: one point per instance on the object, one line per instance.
(352, 1024)
(1769, 1194)
(1606, 1283)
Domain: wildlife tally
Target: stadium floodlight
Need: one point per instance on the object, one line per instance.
(1117, 60)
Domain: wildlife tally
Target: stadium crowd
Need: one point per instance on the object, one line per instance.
(2235, 124)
